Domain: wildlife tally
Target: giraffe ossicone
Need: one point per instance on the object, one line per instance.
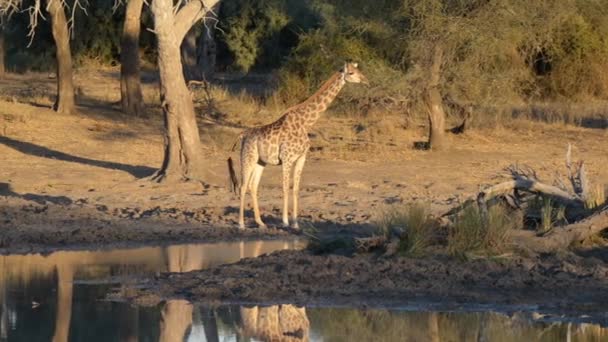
(285, 142)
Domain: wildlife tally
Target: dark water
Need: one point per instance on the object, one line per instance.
(57, 297)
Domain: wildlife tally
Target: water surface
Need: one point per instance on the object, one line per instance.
(58, 297)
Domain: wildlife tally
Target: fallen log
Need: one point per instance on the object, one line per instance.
(563, 237)
(520, 184)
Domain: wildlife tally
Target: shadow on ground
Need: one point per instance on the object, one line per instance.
(138, 171)
(5, 190)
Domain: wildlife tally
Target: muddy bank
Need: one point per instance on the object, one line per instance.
(38, 224)
(306, 279)
(144, 212)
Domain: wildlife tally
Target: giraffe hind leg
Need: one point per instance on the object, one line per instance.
(286, 181)
(297, 176)
(249, 157)
(247, 174)
(253, 188)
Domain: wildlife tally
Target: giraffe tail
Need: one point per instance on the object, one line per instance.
(234, 181)
(238, 139)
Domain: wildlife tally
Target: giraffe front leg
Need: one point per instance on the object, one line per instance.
(286, 176)
(255, 182)
(297, 176)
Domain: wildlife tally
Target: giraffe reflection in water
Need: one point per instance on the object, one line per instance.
(276, 323)
(281, 323)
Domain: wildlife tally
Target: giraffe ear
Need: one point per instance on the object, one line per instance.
(345, 69)
(356, 65)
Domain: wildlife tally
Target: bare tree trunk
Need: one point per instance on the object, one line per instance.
(65, 87)
(183, 150)
(130, 84)
(188, 49)
(434, 103)
(2, 52)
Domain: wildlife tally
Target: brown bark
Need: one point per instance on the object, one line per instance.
(183, 150)
(436, 114)
(130, 83)
(190, 14)
(65, 87)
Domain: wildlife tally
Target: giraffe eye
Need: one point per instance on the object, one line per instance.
(351, 73)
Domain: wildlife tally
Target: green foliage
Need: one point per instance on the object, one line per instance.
(415, 224)
(260, 33)
(470, 235)
(97, 34)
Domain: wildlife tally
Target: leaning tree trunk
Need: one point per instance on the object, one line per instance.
(437, 139)
(130, 84)
(183, 150)
(65, 87)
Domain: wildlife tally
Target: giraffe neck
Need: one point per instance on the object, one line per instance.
(319, 101)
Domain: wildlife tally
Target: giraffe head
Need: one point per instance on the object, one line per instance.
(352, 74)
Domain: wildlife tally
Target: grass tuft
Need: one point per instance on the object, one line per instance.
(470, 235)
(414, 226)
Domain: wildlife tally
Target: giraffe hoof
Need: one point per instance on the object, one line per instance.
(262, 226)
(295, 226)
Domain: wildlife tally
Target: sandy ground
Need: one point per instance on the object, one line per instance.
(80, 179)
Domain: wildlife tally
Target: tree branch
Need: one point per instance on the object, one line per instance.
(189, 14)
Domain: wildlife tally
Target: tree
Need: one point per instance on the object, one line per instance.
(183, 157)
(59, 25)
(65, 87)
(434, 102)
(130, 82)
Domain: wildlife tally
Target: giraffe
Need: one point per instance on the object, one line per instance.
(285, 142)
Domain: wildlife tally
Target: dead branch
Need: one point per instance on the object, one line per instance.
(574, 200)
(529, 185)
(519, 184)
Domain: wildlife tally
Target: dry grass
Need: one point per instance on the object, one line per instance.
(413, 224)
(597, 197)
(471, 236)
